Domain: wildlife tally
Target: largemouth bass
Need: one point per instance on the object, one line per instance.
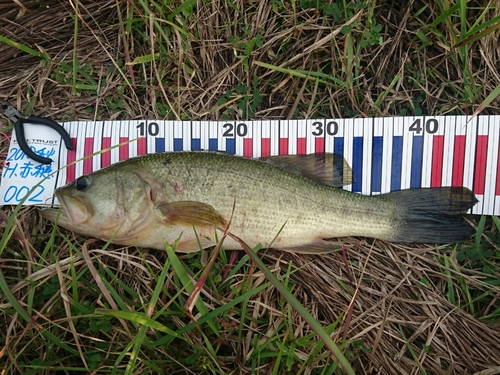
(157, 198)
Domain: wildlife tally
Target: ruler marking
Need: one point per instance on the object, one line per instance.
(115, 140)
(283, 146)
(178, 144)
(87, 163)
(357, 155)
(397, 159)
(388, 134)
(239, 136)
(266, 147)
(70, 170)
(248, 144)
(150, 138)
(275, 136)
(248, 147)
(142, 140)
(338, 145)
(458, 161)
(168, 127)
(301, 146)
(63, 161)
(348, 139)
(178, 141)
(257, 139)
(80, 150)
(459, 151)
(133, 138)
(495, 122)
(397, 155)
(106, 144)
(160, 144)
(266, 138)
(497, 190)
(71, 157)
(142, 146)
(470, 158)
(385, 154)
(310, 137)
(329, 140)
(470, 151)
(437, 161)
(319, 145)
(406, 154)
(124, 138)
(204, 136)
(377, 159)
(427, 143)
(367, 131)
(62, 177)
(378, 146)
(491, 168)
(480, 172)
(448, 149)
(301, 126)
(196, 134)
(214, 143)
(283, 138)
(231, 145)
(293, 137)
(357, 164)
(97, 146)
(186, 135)
(416, 162)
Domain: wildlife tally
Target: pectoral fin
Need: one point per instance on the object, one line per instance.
(191, 213)
(325, 168)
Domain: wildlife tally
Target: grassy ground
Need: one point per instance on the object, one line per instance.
(71, 305)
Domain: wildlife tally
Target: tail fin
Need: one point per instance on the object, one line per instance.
(432, 215)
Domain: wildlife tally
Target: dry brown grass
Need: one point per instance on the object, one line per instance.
(392, 298)
(198, 69)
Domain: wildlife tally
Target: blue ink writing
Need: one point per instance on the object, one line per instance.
(19, 193)
(26, 169)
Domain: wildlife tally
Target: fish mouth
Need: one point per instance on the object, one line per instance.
(50, 214)
(71, 212)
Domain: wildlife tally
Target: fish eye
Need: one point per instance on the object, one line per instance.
(82, 183)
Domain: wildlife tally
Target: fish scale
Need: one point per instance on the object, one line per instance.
(161, 197)
(271, 196)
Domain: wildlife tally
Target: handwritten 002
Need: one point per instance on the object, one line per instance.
(18, 166)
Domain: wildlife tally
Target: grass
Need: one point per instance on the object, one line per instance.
(73, 305)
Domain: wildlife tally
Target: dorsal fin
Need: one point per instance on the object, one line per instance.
(325, 168)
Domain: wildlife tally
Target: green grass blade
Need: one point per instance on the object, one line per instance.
(315, 326)
(186, 281)
(486, 102)
(23, 48)
(138, 318)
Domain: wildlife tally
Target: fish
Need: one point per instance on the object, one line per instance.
(292, 203)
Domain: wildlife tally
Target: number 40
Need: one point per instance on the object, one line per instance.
(431, 126)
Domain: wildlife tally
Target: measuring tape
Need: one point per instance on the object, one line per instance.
(385, 154)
